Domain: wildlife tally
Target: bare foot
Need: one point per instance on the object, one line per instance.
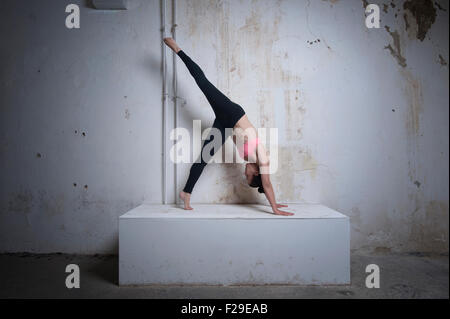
(172, 44)
(186, 197)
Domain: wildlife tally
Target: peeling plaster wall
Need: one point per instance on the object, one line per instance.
(362, 115)
(81, 111)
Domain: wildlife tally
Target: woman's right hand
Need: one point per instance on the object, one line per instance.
(282, 213)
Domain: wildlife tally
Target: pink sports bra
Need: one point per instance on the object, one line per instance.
(248, 148)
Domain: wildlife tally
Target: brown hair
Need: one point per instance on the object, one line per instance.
(257, 183)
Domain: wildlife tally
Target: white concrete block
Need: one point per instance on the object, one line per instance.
(233, 244)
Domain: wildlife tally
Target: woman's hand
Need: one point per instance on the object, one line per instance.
(268, 191)
(282, 213)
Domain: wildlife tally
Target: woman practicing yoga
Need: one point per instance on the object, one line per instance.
(229, 115)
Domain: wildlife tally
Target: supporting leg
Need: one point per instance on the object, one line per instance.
(197, 168)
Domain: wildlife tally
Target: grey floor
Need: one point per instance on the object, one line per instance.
(412, 275)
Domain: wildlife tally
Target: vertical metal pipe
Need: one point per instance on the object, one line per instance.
(164, 124)
(175, 90)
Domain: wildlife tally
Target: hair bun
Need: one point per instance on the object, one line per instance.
(261, 189)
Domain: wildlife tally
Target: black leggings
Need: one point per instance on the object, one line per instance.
(227, 114)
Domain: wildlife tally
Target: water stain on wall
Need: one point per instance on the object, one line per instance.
(424, 14)
(418, 16)
(284, 179)
(235, 189)
(21, 202)
(442, 61)
(395, 48)
(413, 92)
(295, 112)
(414, 97)
(331, 1)
(51, 205)
(295, 161)
(265, 103)
(197, 9)
(411, 27)
(429, 230)
(258, 37)
(308, 162)
(355, 218)
(365, 3)
(221, 14)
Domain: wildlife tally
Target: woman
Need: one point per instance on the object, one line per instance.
(229, 115)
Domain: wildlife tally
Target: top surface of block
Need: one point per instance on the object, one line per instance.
(231, 211)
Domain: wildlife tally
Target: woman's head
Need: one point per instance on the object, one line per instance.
(253, 177)
(257, 183)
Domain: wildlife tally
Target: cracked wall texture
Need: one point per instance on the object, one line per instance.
(362, 115)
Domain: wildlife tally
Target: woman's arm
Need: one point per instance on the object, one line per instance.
(268, 191)
(264, 171)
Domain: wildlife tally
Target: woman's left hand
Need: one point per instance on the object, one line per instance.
(281, 206)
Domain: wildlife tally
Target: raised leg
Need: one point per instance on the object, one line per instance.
(172, 44)
(215, 97)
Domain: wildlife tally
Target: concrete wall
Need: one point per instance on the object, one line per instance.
(362, 115)
(80, 125)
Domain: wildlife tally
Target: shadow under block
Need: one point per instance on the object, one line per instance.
(233, 244)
